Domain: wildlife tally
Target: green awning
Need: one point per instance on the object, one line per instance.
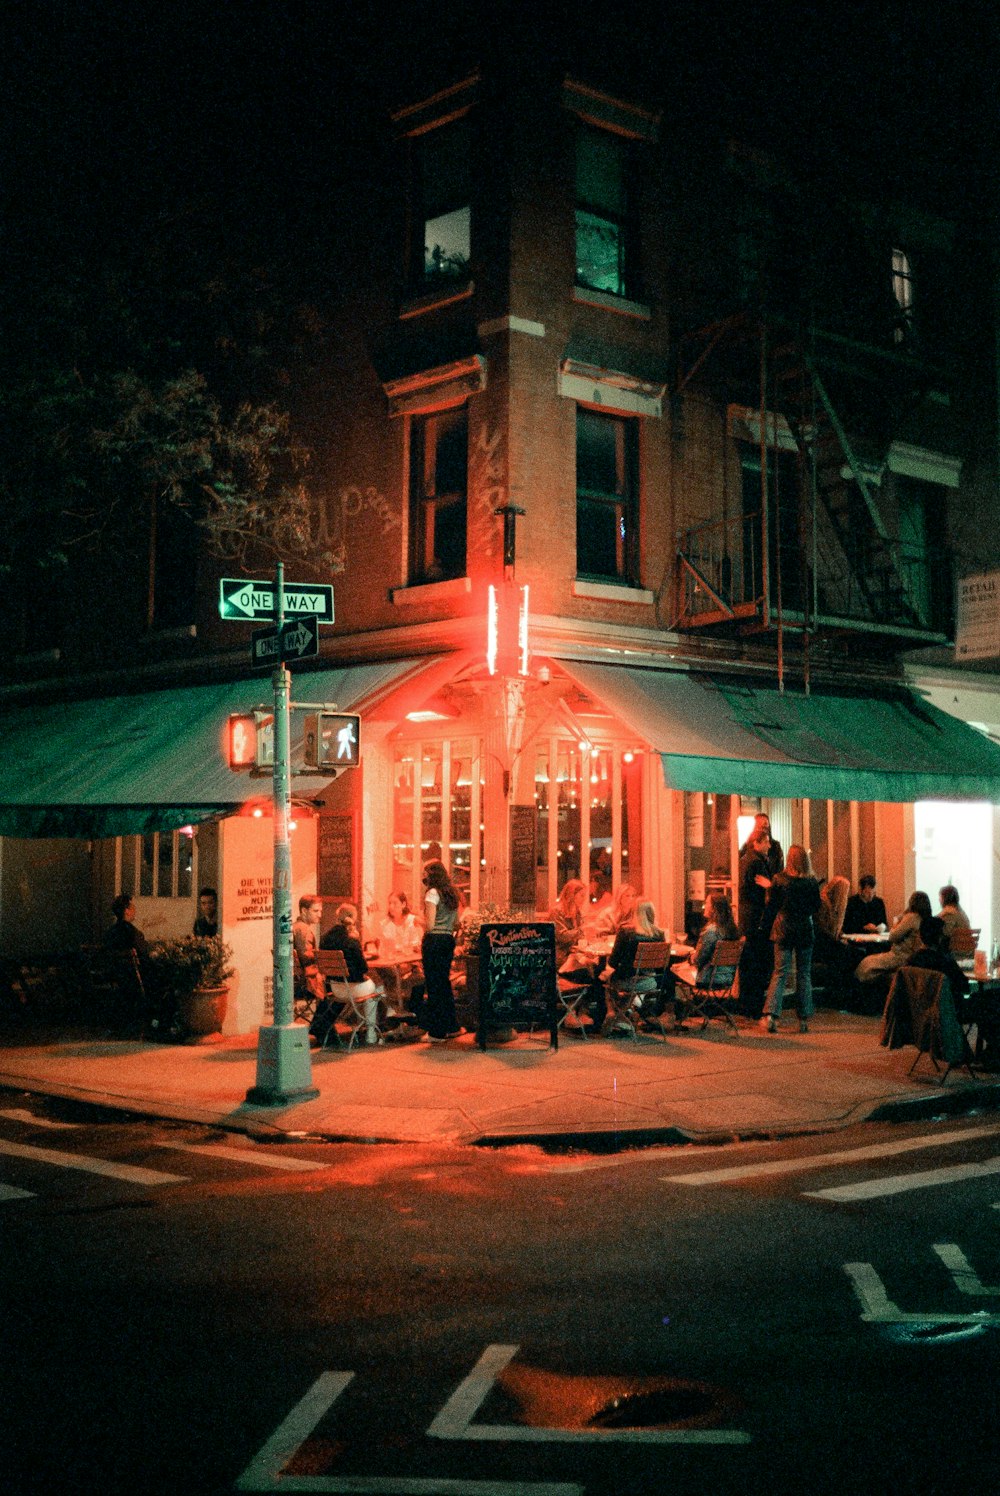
(123, 765)
(735, 737)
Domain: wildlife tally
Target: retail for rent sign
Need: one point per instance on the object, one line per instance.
(977, 617)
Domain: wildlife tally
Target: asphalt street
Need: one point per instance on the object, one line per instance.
(188, 1311)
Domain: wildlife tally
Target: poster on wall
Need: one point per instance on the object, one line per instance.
(977, 617)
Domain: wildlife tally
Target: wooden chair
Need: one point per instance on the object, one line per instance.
(708, 1001)
(352, 1020)
(963, 944)
(651, 957)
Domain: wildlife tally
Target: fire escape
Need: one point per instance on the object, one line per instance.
(813, 550)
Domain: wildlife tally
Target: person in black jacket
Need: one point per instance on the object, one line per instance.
(792, 903)
(865, 912)
(343, 936)
(755, 883)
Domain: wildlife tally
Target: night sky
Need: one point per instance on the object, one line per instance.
(114, 110)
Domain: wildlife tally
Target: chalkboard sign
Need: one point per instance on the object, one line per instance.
(522, 854)
(517, 977)
(335, 857)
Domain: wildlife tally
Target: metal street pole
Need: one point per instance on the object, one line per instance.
(284, 1067)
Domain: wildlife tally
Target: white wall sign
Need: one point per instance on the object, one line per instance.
(977, 617)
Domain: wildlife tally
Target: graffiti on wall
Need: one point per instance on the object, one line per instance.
(353, 514)
(487, 482)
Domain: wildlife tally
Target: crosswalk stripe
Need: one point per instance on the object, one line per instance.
(127, 1172)
(828, 1160)
(898, 1184)
(243, 1156)
(10, 1192)
(21, 1114)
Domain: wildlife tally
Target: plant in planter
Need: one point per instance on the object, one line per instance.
(190, 977)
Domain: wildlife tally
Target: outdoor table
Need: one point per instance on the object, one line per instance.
(392, 968)
(981, 1010)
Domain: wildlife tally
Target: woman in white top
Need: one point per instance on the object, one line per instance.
(399, 937)
(441, 904)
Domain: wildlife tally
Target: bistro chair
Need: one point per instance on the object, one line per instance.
(570, 994)
(707, 1001)
(962, 945)
(920, 1010)
(651, 958)
(351, 1021)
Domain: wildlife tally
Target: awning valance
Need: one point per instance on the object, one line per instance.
(123, 765)
(737, 737)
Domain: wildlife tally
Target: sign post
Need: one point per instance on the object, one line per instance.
(284, 1068)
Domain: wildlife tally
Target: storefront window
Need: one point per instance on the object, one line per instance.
(157, 865)
(403, 802)
(437, 795)
(589, 816)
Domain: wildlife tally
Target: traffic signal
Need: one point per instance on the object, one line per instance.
(332, 741)
(250, 740)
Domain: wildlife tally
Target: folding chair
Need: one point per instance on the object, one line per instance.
(708, 1001)
(651, 956)
(352, 1018)
(570, 995)
(920, 1010)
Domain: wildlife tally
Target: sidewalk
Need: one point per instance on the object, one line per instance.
(601, 1094)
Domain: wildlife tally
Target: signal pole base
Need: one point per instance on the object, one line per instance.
(284, 1067)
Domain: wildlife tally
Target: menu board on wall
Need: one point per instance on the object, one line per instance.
(523, 819)
(517, 977)
(335, 860)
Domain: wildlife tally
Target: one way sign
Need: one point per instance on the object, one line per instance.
(243, 600)
(295, 640)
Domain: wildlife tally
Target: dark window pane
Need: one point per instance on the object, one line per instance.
(597, 539)
(596, 452)
(600, 174)
(599, 254)
(452, 451)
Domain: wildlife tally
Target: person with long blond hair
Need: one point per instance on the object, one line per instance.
(620, 913)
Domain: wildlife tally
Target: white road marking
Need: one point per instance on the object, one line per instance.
(964, 1274)
(829, 1160)
(633, 1156)
(11, 1192)
(263, 1474)
(21, 1114)
(878, 1308)
(455, 1419)
(128, 1172)
(243, 1155)
(898, 1184)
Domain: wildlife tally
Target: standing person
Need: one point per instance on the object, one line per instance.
(775, 856)
(755, 881)
(865, 912)
(441, 903)
(207, 918)
(343, 936)
(953, 916)
(794, 900)
(304, 941)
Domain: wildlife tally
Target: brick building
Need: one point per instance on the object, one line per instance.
(720, 403)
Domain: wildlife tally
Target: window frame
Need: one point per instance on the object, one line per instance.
(426, 503)
(625, 502)
(624, 223)
(419, 275)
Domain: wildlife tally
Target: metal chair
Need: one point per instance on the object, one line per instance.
(570, 995)
(718, 1000)
(651, 957)
(352, 1019)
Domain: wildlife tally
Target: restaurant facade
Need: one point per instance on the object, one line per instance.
(636, 524)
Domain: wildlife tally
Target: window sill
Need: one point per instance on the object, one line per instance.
(430, 301)
(613, 592)
(171, 635)
(619, 304)
(431, 592)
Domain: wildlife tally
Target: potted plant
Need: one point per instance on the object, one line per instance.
(191, 977)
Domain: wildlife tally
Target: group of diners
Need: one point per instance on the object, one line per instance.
(419, 951)
(788, 918)
(630, 921)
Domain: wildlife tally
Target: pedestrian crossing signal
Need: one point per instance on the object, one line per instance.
(332, 741)
(250, 740)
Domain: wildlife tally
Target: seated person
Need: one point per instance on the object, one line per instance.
(865, 912)
(621, 966)
(566, 915)
(619, 913)
(304, 932)
(699, 972)
(903, 939)
(399, 936)
(932, 955)
(124, 935)
(342, 936)
(953, 916)
(207, 919)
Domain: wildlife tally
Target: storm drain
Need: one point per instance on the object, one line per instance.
(664, 1406)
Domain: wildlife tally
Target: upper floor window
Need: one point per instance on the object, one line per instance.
(439, 466)
(442, 217)
(605, 240)
(607, 497)
(902, 290)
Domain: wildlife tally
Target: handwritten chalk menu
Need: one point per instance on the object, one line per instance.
(335, 857)
(522, 854)
(517, 978)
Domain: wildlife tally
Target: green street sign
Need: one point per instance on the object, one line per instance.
(241, 600)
